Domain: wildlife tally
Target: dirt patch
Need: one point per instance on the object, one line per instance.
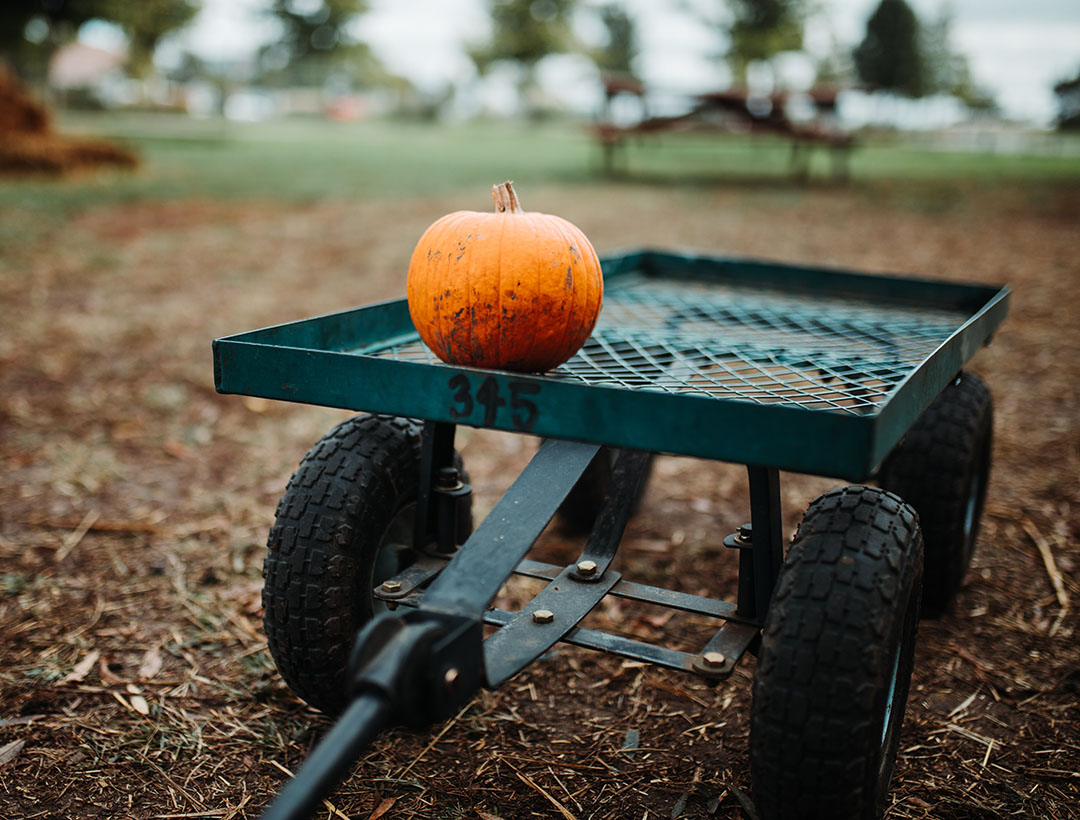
(134, 504)
(28, 143)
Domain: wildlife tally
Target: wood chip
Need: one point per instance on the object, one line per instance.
(151, 664)
(967, 702)
(82, 668)
(10, 751)
(76, 536)
(1048, 562)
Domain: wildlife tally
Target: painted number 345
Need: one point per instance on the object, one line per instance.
(523, 412)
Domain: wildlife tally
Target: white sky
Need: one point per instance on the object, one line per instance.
(1016, 48)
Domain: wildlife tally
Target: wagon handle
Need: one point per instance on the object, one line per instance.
(332, 759)
(411, 670)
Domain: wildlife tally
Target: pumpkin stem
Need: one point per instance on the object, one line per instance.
(506, 199)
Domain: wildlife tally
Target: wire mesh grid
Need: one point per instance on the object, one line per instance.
(746, 343)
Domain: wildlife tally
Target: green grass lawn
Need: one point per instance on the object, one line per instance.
(299, 160)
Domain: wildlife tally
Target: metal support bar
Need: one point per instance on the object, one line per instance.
(413, 576)
(475, 574)
(626, 477)
(639, 650)
(417, 574)
(722, 653)
(436, 452)
(557, 609)
(645, 594)
(762, 561)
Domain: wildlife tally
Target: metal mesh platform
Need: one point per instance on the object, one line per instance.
(748, 343)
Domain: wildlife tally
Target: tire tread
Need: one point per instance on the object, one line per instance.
(855, 557)
(342, 494)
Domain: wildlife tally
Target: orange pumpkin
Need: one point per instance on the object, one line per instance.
(509, 290)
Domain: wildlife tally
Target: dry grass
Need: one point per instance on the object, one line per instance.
(134, 503)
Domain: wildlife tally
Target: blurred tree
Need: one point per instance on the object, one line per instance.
(890, 57)
(315, 44)
(621, 48)
(1068, 94)
(754, 30)
(946, 70)
(30, 30)
(834, 68)
(145, 23)
(524, 32)
(761, 29)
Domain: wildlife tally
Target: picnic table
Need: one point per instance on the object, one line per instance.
(733, 111)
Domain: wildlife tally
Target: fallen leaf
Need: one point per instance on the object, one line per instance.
(107, 675)
(383, 808)
(151, 664)
(136, 703)
(82, 668)
(10, 751)
(139, 704)
(176, 449)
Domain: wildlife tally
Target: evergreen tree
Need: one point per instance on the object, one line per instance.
(890, 57)
(1068, 94)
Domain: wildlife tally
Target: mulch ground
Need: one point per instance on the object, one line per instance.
(134, 505)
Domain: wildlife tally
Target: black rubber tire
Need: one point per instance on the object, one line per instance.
(836, 658)
(331, 528)
(579, 509)
(941, 467)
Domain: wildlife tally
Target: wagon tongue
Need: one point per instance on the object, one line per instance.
(414, 670)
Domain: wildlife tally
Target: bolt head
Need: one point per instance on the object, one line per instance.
(713, 658)
(543, 616)
(448, 478)
(587, 568)
(450, 678)
(391, 586)
(746, 533)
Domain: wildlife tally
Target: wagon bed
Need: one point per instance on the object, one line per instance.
(807, 369)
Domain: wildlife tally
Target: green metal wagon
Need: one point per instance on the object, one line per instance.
(378, 586)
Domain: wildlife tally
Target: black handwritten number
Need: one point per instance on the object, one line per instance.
(462, 396)
(526, 419)
(524, 412)
(488, 395)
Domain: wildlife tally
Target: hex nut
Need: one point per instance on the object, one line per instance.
(391, 586)
(713, 659)
(587, 568)
(543, 616)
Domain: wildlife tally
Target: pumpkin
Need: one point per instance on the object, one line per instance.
(510, 290)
